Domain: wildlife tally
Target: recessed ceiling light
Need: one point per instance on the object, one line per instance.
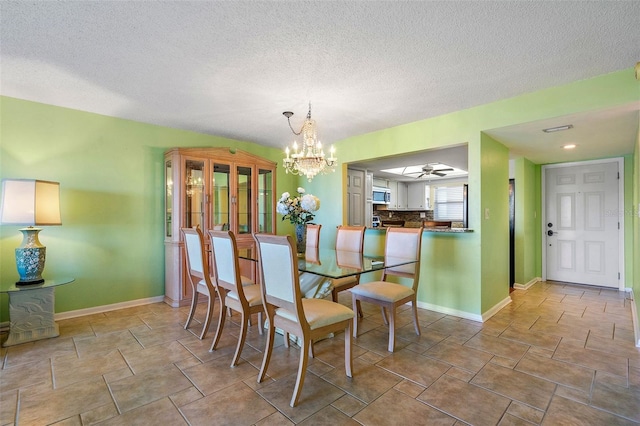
(569, 146)
(558, 129)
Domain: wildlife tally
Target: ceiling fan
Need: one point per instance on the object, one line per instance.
(429, 170)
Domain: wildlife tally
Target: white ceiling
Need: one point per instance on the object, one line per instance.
(230, 68)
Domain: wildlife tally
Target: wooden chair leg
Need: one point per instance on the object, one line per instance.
(356, 307)
(207, 320)
(416, 324)
(348, 355)
(302, 370)
(260, 323)
(384, 315)
(392, 329)
(192, 311)
(221, 319)
(243, 335)
(267, 351)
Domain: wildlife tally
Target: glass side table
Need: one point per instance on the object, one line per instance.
(31, 310)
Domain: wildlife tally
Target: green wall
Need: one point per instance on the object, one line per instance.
(635, 214)
(110, 172)
(111, 177)
(494, 222)
(527, 218)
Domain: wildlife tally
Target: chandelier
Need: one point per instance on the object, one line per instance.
(310, 159)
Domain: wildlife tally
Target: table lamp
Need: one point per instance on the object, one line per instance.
(30, 202)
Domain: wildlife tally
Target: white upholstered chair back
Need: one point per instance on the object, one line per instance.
(350, 238)
(403, 244)
(279, 270)
(313, 235)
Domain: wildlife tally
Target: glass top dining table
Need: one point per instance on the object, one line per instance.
(331, 263)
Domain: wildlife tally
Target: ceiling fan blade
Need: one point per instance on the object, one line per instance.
(437, 173)
(419, 176)
(444, 170)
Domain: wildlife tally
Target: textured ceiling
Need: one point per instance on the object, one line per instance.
(230, 68)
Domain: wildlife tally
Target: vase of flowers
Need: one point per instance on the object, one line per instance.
(299, 210)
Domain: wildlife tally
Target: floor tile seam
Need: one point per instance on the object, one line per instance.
(598, 408)
(113, 397)
(511, 398)
(600, 352)
(499, 355)
(442, 410)
(530, 345)
(591, 384)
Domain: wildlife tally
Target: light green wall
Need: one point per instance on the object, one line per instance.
(494, 222)
(527, 217)
(111, 178)
(635, 213)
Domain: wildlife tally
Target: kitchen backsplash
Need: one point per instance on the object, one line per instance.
(411, 219)
(407, 216)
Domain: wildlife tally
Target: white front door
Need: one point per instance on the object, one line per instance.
(582, 229)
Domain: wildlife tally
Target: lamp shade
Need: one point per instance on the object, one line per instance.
(30, 202)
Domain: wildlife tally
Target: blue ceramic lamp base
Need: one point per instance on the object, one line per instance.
(30, 257)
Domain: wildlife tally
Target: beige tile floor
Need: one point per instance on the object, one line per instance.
(558, 354)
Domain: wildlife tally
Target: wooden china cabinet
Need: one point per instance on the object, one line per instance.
(214, 188)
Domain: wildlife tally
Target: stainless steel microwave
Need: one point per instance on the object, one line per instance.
(381, 195)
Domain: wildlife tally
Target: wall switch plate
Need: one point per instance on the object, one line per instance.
(423, 215)
(486, 213)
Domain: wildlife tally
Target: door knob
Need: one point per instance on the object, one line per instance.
(550, 232)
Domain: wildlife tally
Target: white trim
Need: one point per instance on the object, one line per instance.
(496, 308)
(449, 311)
(108, 308)
(543, 215)
(4, 326)
(466, 315)
(527, 285)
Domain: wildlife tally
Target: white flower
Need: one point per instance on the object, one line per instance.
(282, 208)
(310, 203)
(298, 209)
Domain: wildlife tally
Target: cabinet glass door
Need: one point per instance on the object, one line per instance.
(265, 201)
(168, 198)
(244, 205)
(194, 193)
(221, 203)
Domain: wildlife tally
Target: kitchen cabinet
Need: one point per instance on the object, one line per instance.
(417, 196)
(214, 189)
(398, 192)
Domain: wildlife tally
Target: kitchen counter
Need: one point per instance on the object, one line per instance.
(439, 230)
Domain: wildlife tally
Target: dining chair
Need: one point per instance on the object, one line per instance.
(349, 239)
(198, 273)
(313, 235)
(400, 244)
(245, 299)
(308, 319)
(311, 284)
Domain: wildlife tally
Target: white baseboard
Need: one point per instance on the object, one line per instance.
(107, 308)
(449, 311)
(527, 285)
(4, 326)
(494, 310)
